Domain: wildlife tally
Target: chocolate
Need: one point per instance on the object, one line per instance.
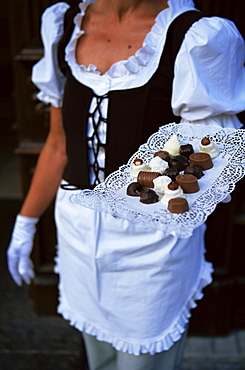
(201, 159)
(171, 172)
(186, 150)
(146, 178)
(148, 196)
(134, 189)
(188, 183)
(178, 205)
(194, 170)
(163, 154)
(180, 162)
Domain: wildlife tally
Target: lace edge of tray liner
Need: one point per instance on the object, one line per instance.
(104, 197)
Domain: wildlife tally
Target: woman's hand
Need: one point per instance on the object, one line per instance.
(18, 254)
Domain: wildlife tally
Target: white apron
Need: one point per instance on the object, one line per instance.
(124, 282)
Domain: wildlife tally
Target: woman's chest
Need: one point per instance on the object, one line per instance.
(104, 46)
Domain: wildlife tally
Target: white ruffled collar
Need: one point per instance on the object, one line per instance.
(143, 56)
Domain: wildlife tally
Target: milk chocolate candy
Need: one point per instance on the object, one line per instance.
(188, 183)
(201, 159)
(146, 178)
(178, 205)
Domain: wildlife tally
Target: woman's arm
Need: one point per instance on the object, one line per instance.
(49, 169)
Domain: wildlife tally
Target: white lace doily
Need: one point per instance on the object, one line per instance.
(229, 167)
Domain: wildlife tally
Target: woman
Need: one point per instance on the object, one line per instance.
(126, 287)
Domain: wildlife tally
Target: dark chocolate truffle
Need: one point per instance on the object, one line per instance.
(186, 150)
(134, 189)
(194, 170)
(179, 161)
(148, 196)
(171, 172)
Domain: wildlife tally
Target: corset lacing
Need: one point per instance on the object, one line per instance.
(96, 138)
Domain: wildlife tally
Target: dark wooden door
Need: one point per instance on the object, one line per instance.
(222, 308)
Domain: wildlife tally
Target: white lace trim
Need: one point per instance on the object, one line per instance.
(152, 44)
(156, 345)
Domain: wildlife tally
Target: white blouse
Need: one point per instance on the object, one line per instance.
(209, 70)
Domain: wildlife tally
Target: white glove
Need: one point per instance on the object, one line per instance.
(18, 254)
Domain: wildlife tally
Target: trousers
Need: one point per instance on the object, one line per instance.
(102, 356)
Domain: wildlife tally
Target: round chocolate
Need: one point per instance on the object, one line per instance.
(188, 183)
(171, 172)
(134, 189)
(179, 161)
(201, 159)
(186, 150)
(194, 170)
(163, 154)
(148, 196)
(146, 178)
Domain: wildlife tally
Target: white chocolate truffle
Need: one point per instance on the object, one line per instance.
(169, 194)
(210, 148)
(172, 145)
(157, 164)
(161, 183)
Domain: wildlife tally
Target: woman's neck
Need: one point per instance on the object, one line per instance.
(122, 8)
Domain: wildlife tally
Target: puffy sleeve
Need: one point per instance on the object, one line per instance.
(46, 74)
(209, 77)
